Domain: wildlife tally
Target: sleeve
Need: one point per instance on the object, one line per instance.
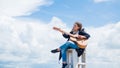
(84, 34)
(67, 36)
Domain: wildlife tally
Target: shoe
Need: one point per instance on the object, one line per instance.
(64, 65)
(55, 51)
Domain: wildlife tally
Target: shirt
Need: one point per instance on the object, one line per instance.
(74, 33)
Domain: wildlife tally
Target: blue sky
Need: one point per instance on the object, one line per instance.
(86, 11)
(26, 35)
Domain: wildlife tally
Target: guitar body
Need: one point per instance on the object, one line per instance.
(80, 43)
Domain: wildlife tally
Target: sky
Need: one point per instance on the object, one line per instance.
(26, 35)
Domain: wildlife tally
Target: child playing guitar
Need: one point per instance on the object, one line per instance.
(77, 39)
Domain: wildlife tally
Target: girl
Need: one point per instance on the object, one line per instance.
(77, 33)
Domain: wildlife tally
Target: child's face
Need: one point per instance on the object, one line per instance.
(75, 27)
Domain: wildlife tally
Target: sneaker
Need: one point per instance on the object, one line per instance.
(55, 51)
(64, 65)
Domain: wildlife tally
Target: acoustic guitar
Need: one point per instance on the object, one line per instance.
(81, 42)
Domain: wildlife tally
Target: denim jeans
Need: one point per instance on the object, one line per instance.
(65, 47)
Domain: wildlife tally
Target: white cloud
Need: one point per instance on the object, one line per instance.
(22, 43)
(104, 46)
(26, 41)
(20, 7)
(99, 1)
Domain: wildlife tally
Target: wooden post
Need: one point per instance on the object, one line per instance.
(72, 58)
(82, 63)
(74, 61)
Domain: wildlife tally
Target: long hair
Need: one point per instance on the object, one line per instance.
(79, 25)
